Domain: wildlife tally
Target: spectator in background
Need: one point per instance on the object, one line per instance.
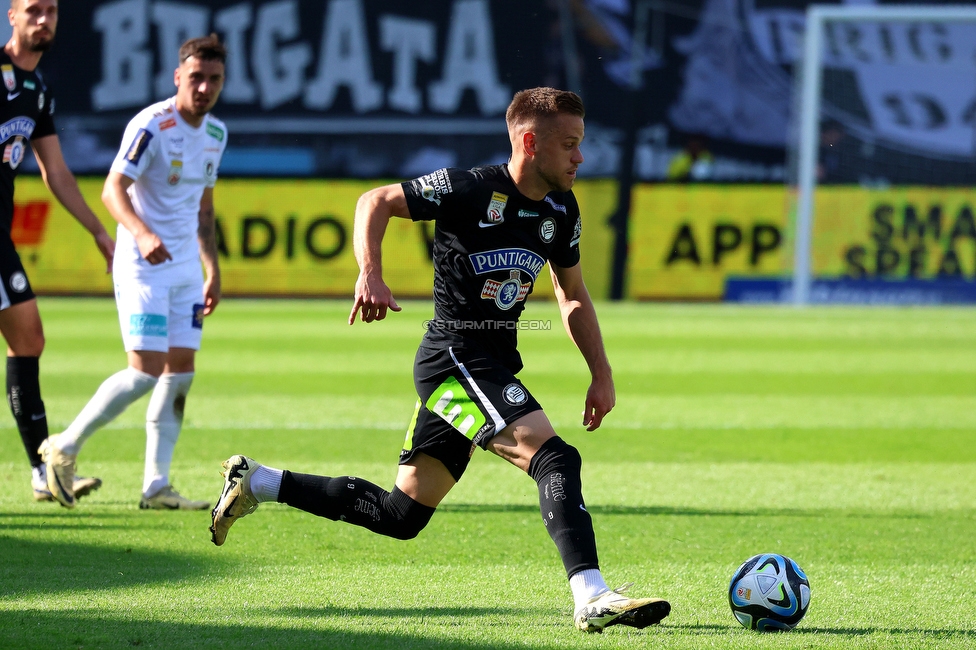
(830, 158)
(693, 163)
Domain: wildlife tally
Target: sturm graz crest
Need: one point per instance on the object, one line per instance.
(515, 394)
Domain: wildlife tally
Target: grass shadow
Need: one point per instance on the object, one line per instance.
(74, 628)
(32, 567)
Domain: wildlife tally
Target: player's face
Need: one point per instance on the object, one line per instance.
(198, 85)
(34, 23)
(558, 152)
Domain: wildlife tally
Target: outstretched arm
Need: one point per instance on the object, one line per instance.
(63, 185)
(373, 212)
(207, 235)
(579, 319)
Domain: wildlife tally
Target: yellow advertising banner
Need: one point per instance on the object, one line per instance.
(685, 240)
(904, 232)
(275, 237)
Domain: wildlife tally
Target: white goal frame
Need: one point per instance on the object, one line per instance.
(809, 118)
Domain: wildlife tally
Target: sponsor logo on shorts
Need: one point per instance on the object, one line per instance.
(147, 325)
(547, 230)
(138, 146)
(18, 282)
(514, 394)
(198, 316)
(451, 402)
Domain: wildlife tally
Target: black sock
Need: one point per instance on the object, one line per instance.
(358, 502)
(556, 470)
(24, 398)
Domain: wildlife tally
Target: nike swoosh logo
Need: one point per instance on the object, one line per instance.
(36, 417)
(13, 96)
(482, 224)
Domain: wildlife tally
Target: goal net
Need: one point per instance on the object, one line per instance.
(884, 156)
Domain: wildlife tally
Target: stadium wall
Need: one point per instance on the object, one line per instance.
(294, 238)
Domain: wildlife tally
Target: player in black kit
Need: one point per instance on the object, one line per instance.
(26, 117)
(495, 229)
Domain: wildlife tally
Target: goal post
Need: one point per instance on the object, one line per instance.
(926, 125)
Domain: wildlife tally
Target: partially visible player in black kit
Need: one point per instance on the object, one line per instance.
(26, 115)
(495, 229)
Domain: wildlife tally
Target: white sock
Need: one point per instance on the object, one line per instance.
(39, 474)
(266, 483)
(112, 397)
(586, 584)
(164, 419)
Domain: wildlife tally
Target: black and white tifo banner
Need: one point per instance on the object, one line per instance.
(909, 84)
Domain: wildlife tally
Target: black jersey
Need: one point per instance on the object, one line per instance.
(25, 113)
(490, 245)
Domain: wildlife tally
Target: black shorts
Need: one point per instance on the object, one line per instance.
(465, 398)
(14, 287)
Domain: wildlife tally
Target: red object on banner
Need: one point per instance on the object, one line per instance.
(29, 221)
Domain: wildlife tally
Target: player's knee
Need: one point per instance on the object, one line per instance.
(411, 516)
(556, 455)
(29, 344)
(408, 529)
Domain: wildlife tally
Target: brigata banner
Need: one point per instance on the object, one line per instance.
(275, 238)
(380, 88)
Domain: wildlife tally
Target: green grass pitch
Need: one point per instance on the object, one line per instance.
(842, 437)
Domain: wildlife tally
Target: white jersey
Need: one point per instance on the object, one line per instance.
(171, 163)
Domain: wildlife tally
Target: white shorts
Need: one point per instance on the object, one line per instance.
(157, 317)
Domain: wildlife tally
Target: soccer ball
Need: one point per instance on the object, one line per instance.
(769, 593)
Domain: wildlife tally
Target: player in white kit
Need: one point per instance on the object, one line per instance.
(160, 190)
